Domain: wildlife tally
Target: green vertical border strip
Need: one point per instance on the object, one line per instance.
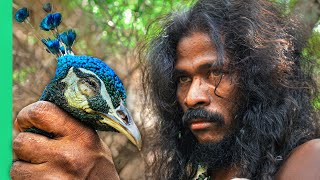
(5, 88)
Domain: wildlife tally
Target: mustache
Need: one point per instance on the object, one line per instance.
(200, 113)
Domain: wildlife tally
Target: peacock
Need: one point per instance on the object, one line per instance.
(83, 86)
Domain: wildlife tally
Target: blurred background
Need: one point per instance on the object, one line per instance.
(113, 30)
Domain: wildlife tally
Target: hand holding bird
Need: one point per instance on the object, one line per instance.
(75, 152)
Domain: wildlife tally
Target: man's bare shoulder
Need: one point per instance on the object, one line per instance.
(303, 163)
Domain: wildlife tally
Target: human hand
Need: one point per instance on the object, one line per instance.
(75, 151)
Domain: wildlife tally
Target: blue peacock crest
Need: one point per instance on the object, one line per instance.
(83, 86)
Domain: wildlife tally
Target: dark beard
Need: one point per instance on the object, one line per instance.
(216, 155)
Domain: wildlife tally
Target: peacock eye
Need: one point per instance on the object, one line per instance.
(93, 83)
(88, 86)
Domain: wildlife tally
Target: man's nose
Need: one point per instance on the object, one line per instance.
(197, 95)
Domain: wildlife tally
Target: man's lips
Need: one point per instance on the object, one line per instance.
(199, 124)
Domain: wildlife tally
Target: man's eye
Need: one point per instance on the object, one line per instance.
(184, 79)
(216, 73)
(214, 77)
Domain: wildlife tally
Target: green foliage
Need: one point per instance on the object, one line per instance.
(20, 76)
(312, 53)
(123, 23)
(316, 103)
(288, 5)
(312, 50)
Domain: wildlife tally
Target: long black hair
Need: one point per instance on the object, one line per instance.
(276, 86)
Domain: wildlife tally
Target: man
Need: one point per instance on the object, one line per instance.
(228, 84)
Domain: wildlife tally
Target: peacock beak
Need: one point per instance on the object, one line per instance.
(122, 121)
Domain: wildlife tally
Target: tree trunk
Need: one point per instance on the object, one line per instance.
(310, 12)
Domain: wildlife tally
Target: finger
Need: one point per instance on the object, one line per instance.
(24, 171)
(16, 125)
(32, 147)
(27, 171)
(48, 117)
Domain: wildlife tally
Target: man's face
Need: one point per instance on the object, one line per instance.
(198, 76)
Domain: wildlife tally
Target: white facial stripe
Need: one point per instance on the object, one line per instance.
(104, 93)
